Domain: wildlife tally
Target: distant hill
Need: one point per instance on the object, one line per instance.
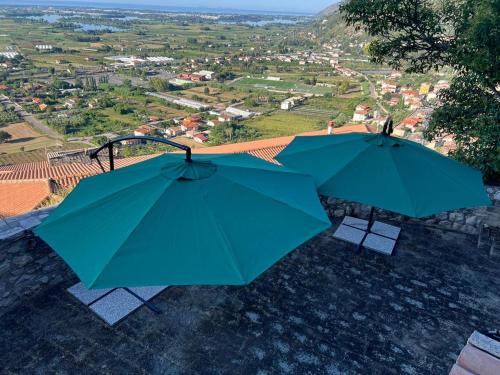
(329, 10)
(330, 26)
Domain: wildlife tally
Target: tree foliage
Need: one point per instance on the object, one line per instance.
(7, 117)
(232, 132)
(4, 136)
(420, 35)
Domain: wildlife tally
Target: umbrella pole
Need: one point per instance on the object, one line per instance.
(368, 228)
(370, 219)
(109, 145)
(148, 304)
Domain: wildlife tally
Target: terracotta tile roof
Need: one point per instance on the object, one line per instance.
(412, 121)
(43, 170)
(267, 149)
(143, 129)
(20, 196)
(26, 185)
(410, 92)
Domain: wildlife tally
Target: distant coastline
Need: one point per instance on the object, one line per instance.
(144, 7)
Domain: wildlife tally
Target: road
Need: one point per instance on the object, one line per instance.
(39, 125)
(36, 123)
(373, 92)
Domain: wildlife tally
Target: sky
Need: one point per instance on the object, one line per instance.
(288, 6)
(303, 6)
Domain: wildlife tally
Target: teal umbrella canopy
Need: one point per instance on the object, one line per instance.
(386, 172)
(219, 219)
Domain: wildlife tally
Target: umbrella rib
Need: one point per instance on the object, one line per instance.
(346, 165)
(410, 200)
(270, 197)
(314, 148)
(275, 168)
(134, 228)
(96, 203)
(228, 247)
(444, 170)
(456, 181)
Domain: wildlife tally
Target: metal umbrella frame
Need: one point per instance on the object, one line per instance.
(110, 146)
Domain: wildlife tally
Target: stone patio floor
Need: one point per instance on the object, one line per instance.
(321, 310)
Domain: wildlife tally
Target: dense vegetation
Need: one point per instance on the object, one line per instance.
(232, 132)
(6, 117)
(421, 35)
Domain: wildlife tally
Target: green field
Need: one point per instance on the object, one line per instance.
(261, 83)
(345, 105)
(283, 123)
(36, 155)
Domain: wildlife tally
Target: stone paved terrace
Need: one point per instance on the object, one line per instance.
(321, 310)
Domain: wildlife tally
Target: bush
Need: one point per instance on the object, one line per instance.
(7, 117)
(4, 136)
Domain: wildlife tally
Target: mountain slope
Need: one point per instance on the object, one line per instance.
(330, 26)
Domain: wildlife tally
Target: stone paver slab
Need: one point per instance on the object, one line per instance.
(29, 222)
(148, 292)
(9, 231)
(349, 234)
(385, 230)
(478, 362)
(355, 222)
(380, 244)
(87, 296)
(115, 306)
(485, 343)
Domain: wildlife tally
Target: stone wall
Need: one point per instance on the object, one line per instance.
(25, 271)
(465, 220)
(28, 265)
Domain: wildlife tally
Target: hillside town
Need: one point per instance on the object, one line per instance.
(255, 188)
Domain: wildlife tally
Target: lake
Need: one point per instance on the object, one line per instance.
(53, 18)
(283, 21)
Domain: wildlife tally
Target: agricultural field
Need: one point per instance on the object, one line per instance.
(290, 86)
(109, 96)
(340, 104)
(215, 95)
(29, 145)
(282, 123)
(24, 138)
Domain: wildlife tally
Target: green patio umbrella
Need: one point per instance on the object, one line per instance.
(217, 219)
(386, 172)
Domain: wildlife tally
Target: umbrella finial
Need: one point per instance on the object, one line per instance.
(387, 130)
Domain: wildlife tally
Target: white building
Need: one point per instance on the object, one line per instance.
(389, 87)
(44, 47)
(173, 131)
(288, 104)
(192, 104)
(182, 102)
(362, 113)
(442, 84)
(159, 59)
(292, 102)
(207, 74)
(9, 54)
(239, 112)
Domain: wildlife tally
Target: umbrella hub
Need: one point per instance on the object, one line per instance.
(383, 140)
(192, 170)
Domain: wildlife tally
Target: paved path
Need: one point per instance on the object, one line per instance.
(39, 125)
(321, 310)
(32, 120)
(373, 93)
